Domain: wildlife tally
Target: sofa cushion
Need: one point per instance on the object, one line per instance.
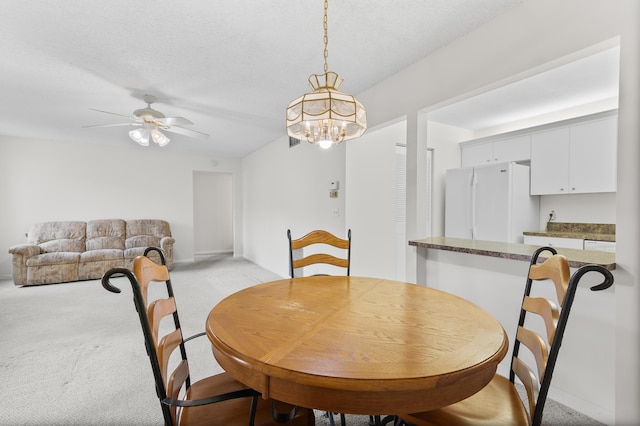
(101, 255)
(62, 245)
(66, 230)
(156, 227)
(142, 241)
(54, 258)
(105, 234)
(93, 264)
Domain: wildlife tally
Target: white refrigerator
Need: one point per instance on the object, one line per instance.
(490, 203)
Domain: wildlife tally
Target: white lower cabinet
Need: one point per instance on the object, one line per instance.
(573, 243)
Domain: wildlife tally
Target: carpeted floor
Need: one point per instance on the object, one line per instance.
(73, 354)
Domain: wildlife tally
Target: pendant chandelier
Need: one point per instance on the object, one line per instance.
(326, 116)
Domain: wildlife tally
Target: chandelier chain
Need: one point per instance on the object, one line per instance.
(326, 37)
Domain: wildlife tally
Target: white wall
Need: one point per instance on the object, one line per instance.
(371, 200)
(580, 208)
(288, 188)
(50, 180)
(627, 379)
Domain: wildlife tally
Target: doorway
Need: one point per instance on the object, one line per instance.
(212, 214)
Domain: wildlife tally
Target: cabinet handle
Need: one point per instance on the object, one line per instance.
(561, 189)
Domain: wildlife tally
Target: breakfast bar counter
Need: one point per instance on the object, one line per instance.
(514, 251)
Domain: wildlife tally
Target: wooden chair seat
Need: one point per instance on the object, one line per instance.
(233, 412)
(498, 403)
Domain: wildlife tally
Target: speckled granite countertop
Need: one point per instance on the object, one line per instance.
(582, 231)
(576, 258)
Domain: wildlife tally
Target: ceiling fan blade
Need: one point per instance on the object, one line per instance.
(173, 121)
(187, 132)
(112, 113)
(113, 125)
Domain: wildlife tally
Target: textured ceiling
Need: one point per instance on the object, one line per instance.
(230, 67)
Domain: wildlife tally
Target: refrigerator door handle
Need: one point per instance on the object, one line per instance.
(474, 184)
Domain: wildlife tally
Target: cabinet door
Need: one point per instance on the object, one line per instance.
(549, 161)
(512, 149)
(593, 157)
(476, 155)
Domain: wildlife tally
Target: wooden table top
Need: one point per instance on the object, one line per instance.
(356, 345)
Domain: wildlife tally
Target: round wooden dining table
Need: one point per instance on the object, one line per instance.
(356, 345)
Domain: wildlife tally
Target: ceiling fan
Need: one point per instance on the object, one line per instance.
(149, 123)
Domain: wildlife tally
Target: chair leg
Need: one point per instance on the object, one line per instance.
(382, 421)
(343, 421)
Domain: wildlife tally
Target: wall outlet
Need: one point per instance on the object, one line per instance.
(552, 215)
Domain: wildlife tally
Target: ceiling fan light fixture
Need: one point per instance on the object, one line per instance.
(158, 137)
(141, 136)
(150, 124)
(326, 116)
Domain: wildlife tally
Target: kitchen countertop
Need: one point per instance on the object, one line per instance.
(576, 258)
(581, 231)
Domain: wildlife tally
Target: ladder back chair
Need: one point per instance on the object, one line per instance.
(319, 237)
(499, 402)
(217, 399)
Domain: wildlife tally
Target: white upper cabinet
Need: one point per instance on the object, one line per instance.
(499, 151)
(550, 161)
(593, 156)
(476, 154)
(575, 159)
(512, 149)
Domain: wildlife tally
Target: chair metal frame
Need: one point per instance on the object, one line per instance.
(567, 303)
(536, 405)
(167, 402)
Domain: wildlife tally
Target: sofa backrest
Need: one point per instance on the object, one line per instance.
(105, 234)
(146, 232)
(68, 236)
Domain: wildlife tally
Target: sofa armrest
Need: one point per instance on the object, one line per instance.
(166, 244)
(25, 250)
(21, 253)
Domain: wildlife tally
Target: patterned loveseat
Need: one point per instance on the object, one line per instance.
(58, 252)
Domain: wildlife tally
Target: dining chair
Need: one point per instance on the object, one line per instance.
(319, 237)
(217, 399)
(499, 402)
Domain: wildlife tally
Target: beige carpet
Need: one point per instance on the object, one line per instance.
(73, 354)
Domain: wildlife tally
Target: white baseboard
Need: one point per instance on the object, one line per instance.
(191, 260)
(598, 413)
(213, 253)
